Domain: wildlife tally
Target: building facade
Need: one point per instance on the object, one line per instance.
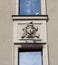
(7, 9)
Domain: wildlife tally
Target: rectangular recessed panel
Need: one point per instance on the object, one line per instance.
(29, 7)
(30, 58)
(30, 31)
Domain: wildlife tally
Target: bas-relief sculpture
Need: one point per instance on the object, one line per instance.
(30, 31)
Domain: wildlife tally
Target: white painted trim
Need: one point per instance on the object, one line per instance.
(15, 7)
(39, 17)
(14, 31)
(16, 54)
(45, 54)
(43, 7)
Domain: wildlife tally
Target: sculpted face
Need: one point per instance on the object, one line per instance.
(30, 29)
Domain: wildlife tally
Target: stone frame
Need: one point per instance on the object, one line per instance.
(41, 23)
(16, 6)
(44, 51)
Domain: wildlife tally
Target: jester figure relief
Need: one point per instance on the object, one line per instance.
(30, 31)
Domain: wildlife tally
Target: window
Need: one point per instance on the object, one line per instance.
(29, 7)
(35, 55)
(30, 57)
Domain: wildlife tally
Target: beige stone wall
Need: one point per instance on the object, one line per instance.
(52, 10)
(6, 26)
(6, 31)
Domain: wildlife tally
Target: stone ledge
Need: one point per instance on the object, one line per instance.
(38, 17)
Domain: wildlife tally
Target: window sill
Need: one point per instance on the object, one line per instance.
(30, 17)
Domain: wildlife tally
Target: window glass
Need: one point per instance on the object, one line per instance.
(29, 7)
(30, 58)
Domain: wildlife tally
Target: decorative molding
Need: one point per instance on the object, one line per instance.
(29, 15)
(40, 17)
(44, 51)
(38, 32)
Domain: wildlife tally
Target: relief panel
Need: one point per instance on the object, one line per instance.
(30, 31)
